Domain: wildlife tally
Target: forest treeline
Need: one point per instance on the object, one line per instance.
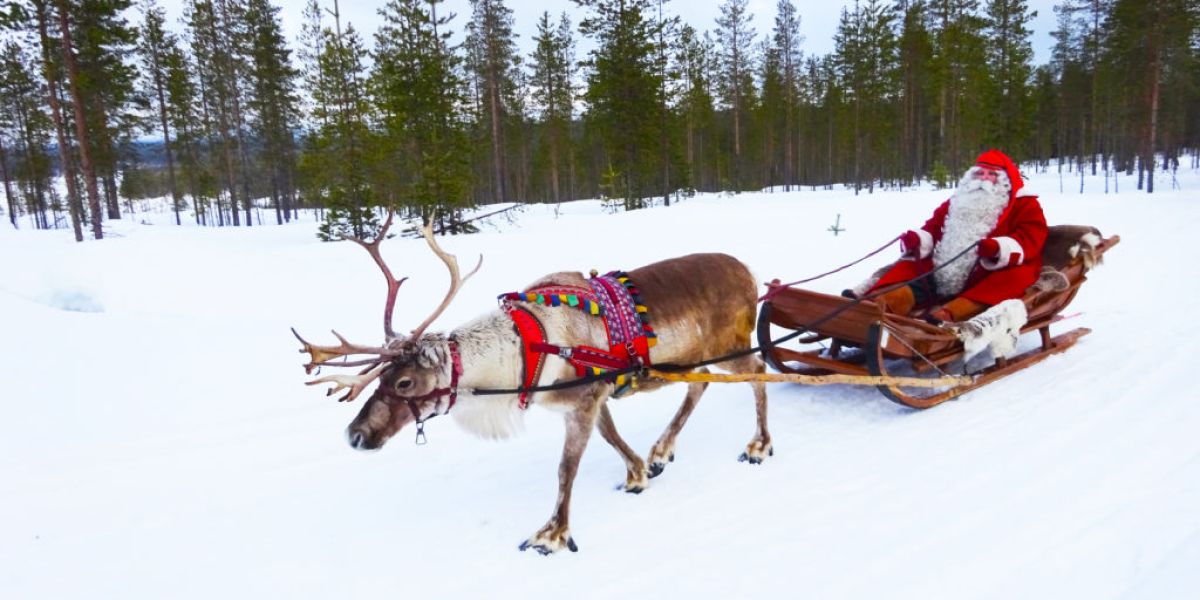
(443, 111)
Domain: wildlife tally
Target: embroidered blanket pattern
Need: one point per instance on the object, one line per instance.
(626, 315)
(615, 299)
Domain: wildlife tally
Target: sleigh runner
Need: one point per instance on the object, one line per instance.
(864, 340)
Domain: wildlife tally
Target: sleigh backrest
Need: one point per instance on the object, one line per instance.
(1069, 253)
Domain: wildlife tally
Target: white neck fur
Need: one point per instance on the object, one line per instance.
(491, 358)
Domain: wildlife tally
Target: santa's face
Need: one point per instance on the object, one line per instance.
(981, 181)
(986, 174)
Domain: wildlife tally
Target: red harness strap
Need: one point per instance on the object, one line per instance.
(584, 358)
(533, 335)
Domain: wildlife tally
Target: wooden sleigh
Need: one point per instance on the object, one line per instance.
(865, 340)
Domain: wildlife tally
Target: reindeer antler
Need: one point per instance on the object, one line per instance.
(456, 282)
(372, 248)
(379, 356)
(320, 356)
(355, 383)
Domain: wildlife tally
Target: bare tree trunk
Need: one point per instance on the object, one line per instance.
(81, 133)
(236, 106)
(162, 119)
(64, 150)
(8, 194)
(112, 203)
(737, 140)
(555, 193)
(1152, 126)
(497, 115)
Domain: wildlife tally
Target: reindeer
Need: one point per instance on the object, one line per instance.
(703, 307)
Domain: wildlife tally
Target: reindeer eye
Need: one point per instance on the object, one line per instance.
(404, 383)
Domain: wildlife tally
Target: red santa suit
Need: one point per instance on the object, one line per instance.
(1014, 220)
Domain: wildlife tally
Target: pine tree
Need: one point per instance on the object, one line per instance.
(75, 85)
(959, 79)
(217, 81)
(335, 169)
(735, 39)
(867, 65)
(552, 74)
(623, 95)
(273, 102)
(24, 122)
(105, 44)
(668, 83)
(915, 47)
(1082, 26)
(156, 45)
(51, 73)
(786, 40)
(1009, 55)
(494, 63)
(1150, 42)
(420, 95)
(695, 56)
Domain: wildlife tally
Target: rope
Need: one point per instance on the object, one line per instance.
(670, 368)
(775, 290)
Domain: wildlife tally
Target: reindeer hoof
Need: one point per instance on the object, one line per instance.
(757, 452)
(637, 489)
(655, 469)
(543, 550)
(546, 543)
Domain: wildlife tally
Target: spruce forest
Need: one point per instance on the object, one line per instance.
(104, 103)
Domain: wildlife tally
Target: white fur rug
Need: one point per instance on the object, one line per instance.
(996, 329)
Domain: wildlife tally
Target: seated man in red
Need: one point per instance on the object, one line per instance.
(989, 207)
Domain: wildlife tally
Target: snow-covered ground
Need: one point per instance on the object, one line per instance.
(157, 441)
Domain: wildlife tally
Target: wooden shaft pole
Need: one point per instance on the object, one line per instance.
(921, 382)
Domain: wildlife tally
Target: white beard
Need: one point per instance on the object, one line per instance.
(974, 211)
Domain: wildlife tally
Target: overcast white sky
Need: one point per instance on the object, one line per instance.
(819, 18)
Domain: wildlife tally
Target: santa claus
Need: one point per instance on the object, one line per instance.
(990, 207)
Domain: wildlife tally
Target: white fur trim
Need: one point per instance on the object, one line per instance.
(1008, 247)
(865, 286)
(1090, 240)
(926, 243)
(1025, 193)
(974, 211)
(996, 329)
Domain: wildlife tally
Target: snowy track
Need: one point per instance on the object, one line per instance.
(157, 441)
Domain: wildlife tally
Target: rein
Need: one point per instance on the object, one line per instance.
(775, 289)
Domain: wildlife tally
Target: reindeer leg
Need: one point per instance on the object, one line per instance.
(580, 420)
(760, 446)
(664, 449)
(635, 468)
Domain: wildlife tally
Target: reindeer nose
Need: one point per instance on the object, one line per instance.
(356, 439)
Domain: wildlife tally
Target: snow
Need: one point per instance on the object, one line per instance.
(157, 440)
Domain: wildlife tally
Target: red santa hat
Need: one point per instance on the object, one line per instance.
(996, 159)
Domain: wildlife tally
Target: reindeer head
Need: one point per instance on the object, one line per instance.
(415, 372)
